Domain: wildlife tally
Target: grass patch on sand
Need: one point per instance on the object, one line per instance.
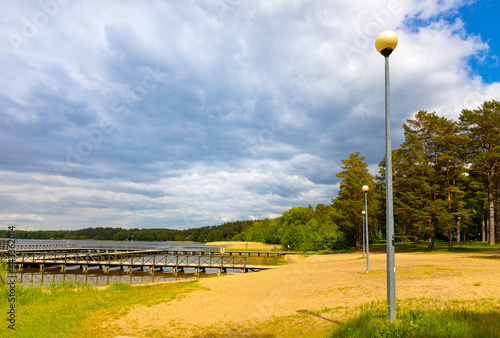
(252, 246)
(439, 247)
(426, 318)
(416, 318)
(81, 310)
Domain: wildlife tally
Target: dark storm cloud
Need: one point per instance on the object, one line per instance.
(188, 114)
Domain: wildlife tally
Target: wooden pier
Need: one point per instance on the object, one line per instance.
(128, 260)
(75, 249)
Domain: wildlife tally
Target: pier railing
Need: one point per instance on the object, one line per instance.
(20, 247)
(130, 259)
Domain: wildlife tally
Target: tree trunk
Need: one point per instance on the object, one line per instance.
(430, 242)
(491, 213)
(458, 231)
(450, 237)
(498, 214)
(483, 229)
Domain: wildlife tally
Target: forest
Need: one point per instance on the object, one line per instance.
(445, 183)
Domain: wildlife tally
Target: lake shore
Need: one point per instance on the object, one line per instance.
(242, 246)
(328, 286)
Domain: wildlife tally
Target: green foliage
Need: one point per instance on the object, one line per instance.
(482, 129)
(120, 286)
(4, 268)
(351, 200)
(373, 322)
(300, 229)
(433, 196)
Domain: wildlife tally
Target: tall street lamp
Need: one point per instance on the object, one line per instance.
(365, 189)
(363, 228)
(385, 43)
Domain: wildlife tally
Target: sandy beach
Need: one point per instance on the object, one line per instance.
(233, 302)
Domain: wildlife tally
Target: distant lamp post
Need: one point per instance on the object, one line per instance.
(363, 228)
(365, 189)
(385, 44)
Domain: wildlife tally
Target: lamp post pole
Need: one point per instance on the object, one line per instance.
(365, 189)
(363, 228)
(385, 43)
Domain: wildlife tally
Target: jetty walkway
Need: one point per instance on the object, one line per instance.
(84, 258)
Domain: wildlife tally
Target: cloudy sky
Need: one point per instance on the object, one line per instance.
(181, 114)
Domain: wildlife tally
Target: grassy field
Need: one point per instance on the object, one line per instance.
(80, 310)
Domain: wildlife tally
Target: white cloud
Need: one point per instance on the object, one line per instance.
(188, 114)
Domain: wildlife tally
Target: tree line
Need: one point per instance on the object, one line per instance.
(445, 183)
(223, 232)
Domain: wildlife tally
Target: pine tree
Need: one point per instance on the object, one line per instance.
(482, 127)
(450, 169)
(418, 203)
(350, 201)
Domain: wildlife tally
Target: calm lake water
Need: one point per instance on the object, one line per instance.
(97, 277)
(120, 245)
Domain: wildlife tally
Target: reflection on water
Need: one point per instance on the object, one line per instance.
(97, 277)
(263, 260)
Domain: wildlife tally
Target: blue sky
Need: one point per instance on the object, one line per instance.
(182, 114)
(482, 18)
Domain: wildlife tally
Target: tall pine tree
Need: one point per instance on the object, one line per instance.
(482, 127)
(351, 200)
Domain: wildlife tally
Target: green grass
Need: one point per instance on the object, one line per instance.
(79, 310)
(416, 318)
(439, 247)
(426, 318)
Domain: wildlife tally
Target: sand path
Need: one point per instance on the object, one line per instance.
(318, 282)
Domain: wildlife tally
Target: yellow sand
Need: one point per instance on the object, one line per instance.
(314, 283)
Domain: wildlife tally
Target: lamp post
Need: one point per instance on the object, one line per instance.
(385, 43)
(363, 228)
(365, 189)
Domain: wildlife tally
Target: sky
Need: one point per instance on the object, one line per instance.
(181, 114)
